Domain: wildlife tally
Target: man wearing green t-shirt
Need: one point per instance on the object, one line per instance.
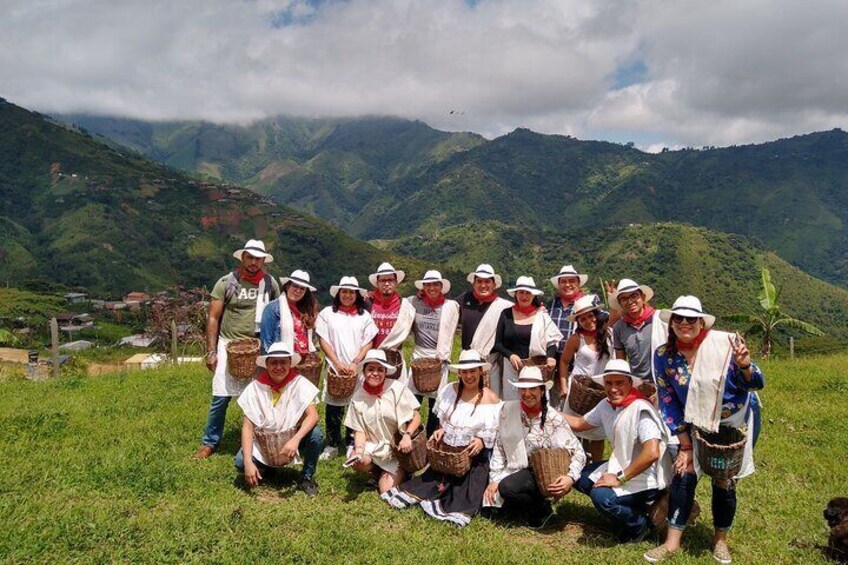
(235, 311)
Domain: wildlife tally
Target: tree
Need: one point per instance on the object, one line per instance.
(772, 317)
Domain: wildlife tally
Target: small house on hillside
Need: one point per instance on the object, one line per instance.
(138, 340)
(76, 297)
(78, 345)
(137, 297)
(142, 361)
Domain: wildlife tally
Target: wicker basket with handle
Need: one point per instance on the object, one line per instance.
(585, 394)
(542, 362)
(548, 464)
(241, 357)
(416, 459)
(340, 386)
(310, 367)
(448, 459)
(427, 374)
(394, 357)
(271, 445)
(720, 453)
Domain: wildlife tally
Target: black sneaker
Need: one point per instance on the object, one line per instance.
(540, 519)
(309, 486)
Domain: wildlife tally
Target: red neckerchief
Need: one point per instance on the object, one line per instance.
(680, 346)
(387, 303)
(265, 379)
(349, 310)
(530, 309)
(252, 279)
(374, 390)
(294, 309)
(434, 303)
(640, 320)
(486, 299)
(581, 331)
(631, 397)
(579, 294)
(531, 412)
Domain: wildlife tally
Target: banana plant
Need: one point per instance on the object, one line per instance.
(772, 317)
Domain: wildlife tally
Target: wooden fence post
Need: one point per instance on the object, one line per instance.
(791, 347)
(174, 342)
(54, 341)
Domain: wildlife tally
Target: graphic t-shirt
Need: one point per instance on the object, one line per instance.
(239, 319)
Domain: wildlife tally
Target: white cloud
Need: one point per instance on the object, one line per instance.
(719, 72)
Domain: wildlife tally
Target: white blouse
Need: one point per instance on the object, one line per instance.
(347, 335)
(466, 421)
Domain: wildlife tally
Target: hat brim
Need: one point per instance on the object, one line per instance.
(334, 290)
(600, 378)
(262, 360)
(390, 369)
(709, 320)
(372, 278)
(498, 281)
(446, 285)
(483, 364)
(533, 291)
(575, 315)
(284, 280)
(581, 277)
(547, 384)
(258, 254)
(613, 296)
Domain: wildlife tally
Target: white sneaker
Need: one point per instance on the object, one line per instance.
(328, 453)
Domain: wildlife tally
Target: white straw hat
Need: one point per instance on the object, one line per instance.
(530, 377)
(377, 356)
(586, 303)
(256, 248)
(278, 350)
(690, 307)
(349, 283)
(569, 271)
(298, 277)
(626, 286)
(485, 271)
(617, 367)
(525, 283)
(432, 277)
(386, 269)
(469, 359)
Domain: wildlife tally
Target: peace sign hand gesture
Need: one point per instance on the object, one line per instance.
(740, 351)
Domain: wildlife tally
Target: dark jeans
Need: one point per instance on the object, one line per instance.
(333, 417)
(521, 494)
(432, 419)
(309, 448)
(629, 512)
(215, 422)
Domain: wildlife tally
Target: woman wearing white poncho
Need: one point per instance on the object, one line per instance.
(378, 410)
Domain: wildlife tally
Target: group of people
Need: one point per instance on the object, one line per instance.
(518, 364)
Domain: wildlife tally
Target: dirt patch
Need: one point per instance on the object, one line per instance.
(13, 355)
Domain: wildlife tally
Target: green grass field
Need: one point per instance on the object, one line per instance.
(98, 470)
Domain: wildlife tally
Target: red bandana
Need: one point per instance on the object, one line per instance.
(349, 310)
(579, 294)
(486, 299)
(640, 320)
(265, 379)
(374, 390)
(387, 303)
(531, 412)
(434, 303)
(631, 397)
(530, 309)
(680, 346)
(294, 309)
(254, 279)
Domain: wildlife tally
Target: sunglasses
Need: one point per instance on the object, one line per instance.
(632, 297)
(691, 320)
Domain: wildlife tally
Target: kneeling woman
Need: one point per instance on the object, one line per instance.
(468, 415)
(527, 425)
(277, 401)
(377, 411)
(638, 468)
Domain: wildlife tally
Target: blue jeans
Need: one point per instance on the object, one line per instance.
(309, 447)
(629, 512)
(215, 422)
(681, 497)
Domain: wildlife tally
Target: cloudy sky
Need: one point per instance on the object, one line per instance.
(656, 72)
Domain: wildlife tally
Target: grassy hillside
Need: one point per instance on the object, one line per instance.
(100, 481)
(79, 214)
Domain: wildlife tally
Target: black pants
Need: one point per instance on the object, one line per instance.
(521, 494)
(333, 417)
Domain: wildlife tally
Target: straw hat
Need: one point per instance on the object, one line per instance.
(298, 277)
(626, 286)
(525, 283)
(569, 271)
(586, 303)
(530, 377)
(485, 271)
(349, 283)
(278, 350)
(690, 307)
(469, 359)
(617, 367)
(386, 269)
(256, 248)
(432, 277)
(377, 356)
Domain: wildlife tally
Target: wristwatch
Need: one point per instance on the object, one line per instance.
(621, 477)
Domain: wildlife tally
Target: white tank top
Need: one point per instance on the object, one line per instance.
(586, 360)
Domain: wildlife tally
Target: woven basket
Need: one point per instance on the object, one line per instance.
(271, 444)
(650, 392)
(542, 362)
(416, 459)
(427, 374)
(549, 464)
(585, 394)
(658, 512)
(241, 357)
(340, 386)
(310, 367)
(448, 459)
(720, 453)
(394, 357)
